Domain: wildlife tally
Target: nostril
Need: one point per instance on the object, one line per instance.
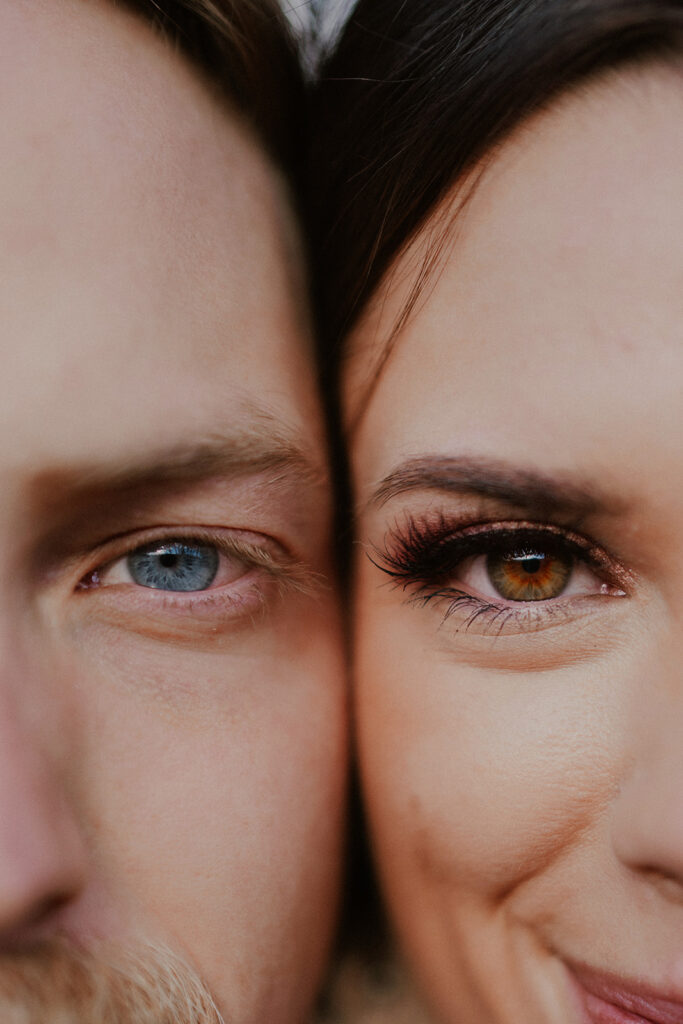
(40, 923)
(48, 909)
(667, 883)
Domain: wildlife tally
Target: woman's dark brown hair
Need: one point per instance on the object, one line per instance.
(417, 92)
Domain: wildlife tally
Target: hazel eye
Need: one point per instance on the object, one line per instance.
(529, 574)
(528, 571)
(506, 577)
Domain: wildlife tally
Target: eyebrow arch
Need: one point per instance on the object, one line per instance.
(544, 495)
(257, 450)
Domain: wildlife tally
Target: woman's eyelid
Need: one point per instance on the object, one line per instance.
(541, 534)
(589, 555)
(584, 580)
(412, 546)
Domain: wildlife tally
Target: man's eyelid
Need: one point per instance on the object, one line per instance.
(70, 531)
(229, 541)
(230, 547)
(88, 559)
(262, 553)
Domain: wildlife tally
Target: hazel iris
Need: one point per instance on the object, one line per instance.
(529, 574)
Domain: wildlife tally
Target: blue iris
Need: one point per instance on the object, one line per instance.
(174, 565)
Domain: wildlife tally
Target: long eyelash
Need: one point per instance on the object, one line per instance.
(457, 599)
(411, 551)
(419, 555)
(494, 615)
(409, 560)
(421, 552)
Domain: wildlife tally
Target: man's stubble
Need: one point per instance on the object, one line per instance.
(59, 984)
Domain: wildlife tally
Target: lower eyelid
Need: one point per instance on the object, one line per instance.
(460, 612)
(250, 589)
(183, 617)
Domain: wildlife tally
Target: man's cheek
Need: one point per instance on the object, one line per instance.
(208, 782)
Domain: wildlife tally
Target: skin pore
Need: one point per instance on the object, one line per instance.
(517, 472)
(173, 757)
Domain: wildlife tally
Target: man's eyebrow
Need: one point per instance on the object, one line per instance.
(544, 495)
(228, 456)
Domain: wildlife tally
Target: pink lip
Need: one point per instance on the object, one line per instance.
(608, 999)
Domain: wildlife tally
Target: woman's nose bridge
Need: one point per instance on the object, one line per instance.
(41, 851)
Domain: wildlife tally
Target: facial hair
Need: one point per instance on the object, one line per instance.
(58, 984)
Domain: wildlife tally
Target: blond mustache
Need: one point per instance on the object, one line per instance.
(58, 984)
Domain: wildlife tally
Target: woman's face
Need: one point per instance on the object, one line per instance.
(518, 474)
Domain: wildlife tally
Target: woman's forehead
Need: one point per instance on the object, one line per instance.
(560, 276)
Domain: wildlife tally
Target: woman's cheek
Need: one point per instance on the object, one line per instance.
(475, 777)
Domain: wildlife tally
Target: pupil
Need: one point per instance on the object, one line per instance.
(168, 560)
(532, 565)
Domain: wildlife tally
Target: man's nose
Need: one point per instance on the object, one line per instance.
(647, 824)
(42, 857)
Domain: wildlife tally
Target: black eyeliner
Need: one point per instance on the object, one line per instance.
(421, 556)
(422, 552)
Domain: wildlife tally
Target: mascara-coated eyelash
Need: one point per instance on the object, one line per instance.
(496, 570)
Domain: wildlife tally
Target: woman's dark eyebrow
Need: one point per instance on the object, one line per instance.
(529, 490)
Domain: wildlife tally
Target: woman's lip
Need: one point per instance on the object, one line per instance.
(625, 1002)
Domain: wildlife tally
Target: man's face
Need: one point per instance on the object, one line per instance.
(171, 695)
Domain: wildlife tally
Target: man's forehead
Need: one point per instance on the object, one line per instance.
(105, 131)
(144, 279)
(257, 444)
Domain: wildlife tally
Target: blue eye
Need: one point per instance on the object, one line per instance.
(174, 565)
